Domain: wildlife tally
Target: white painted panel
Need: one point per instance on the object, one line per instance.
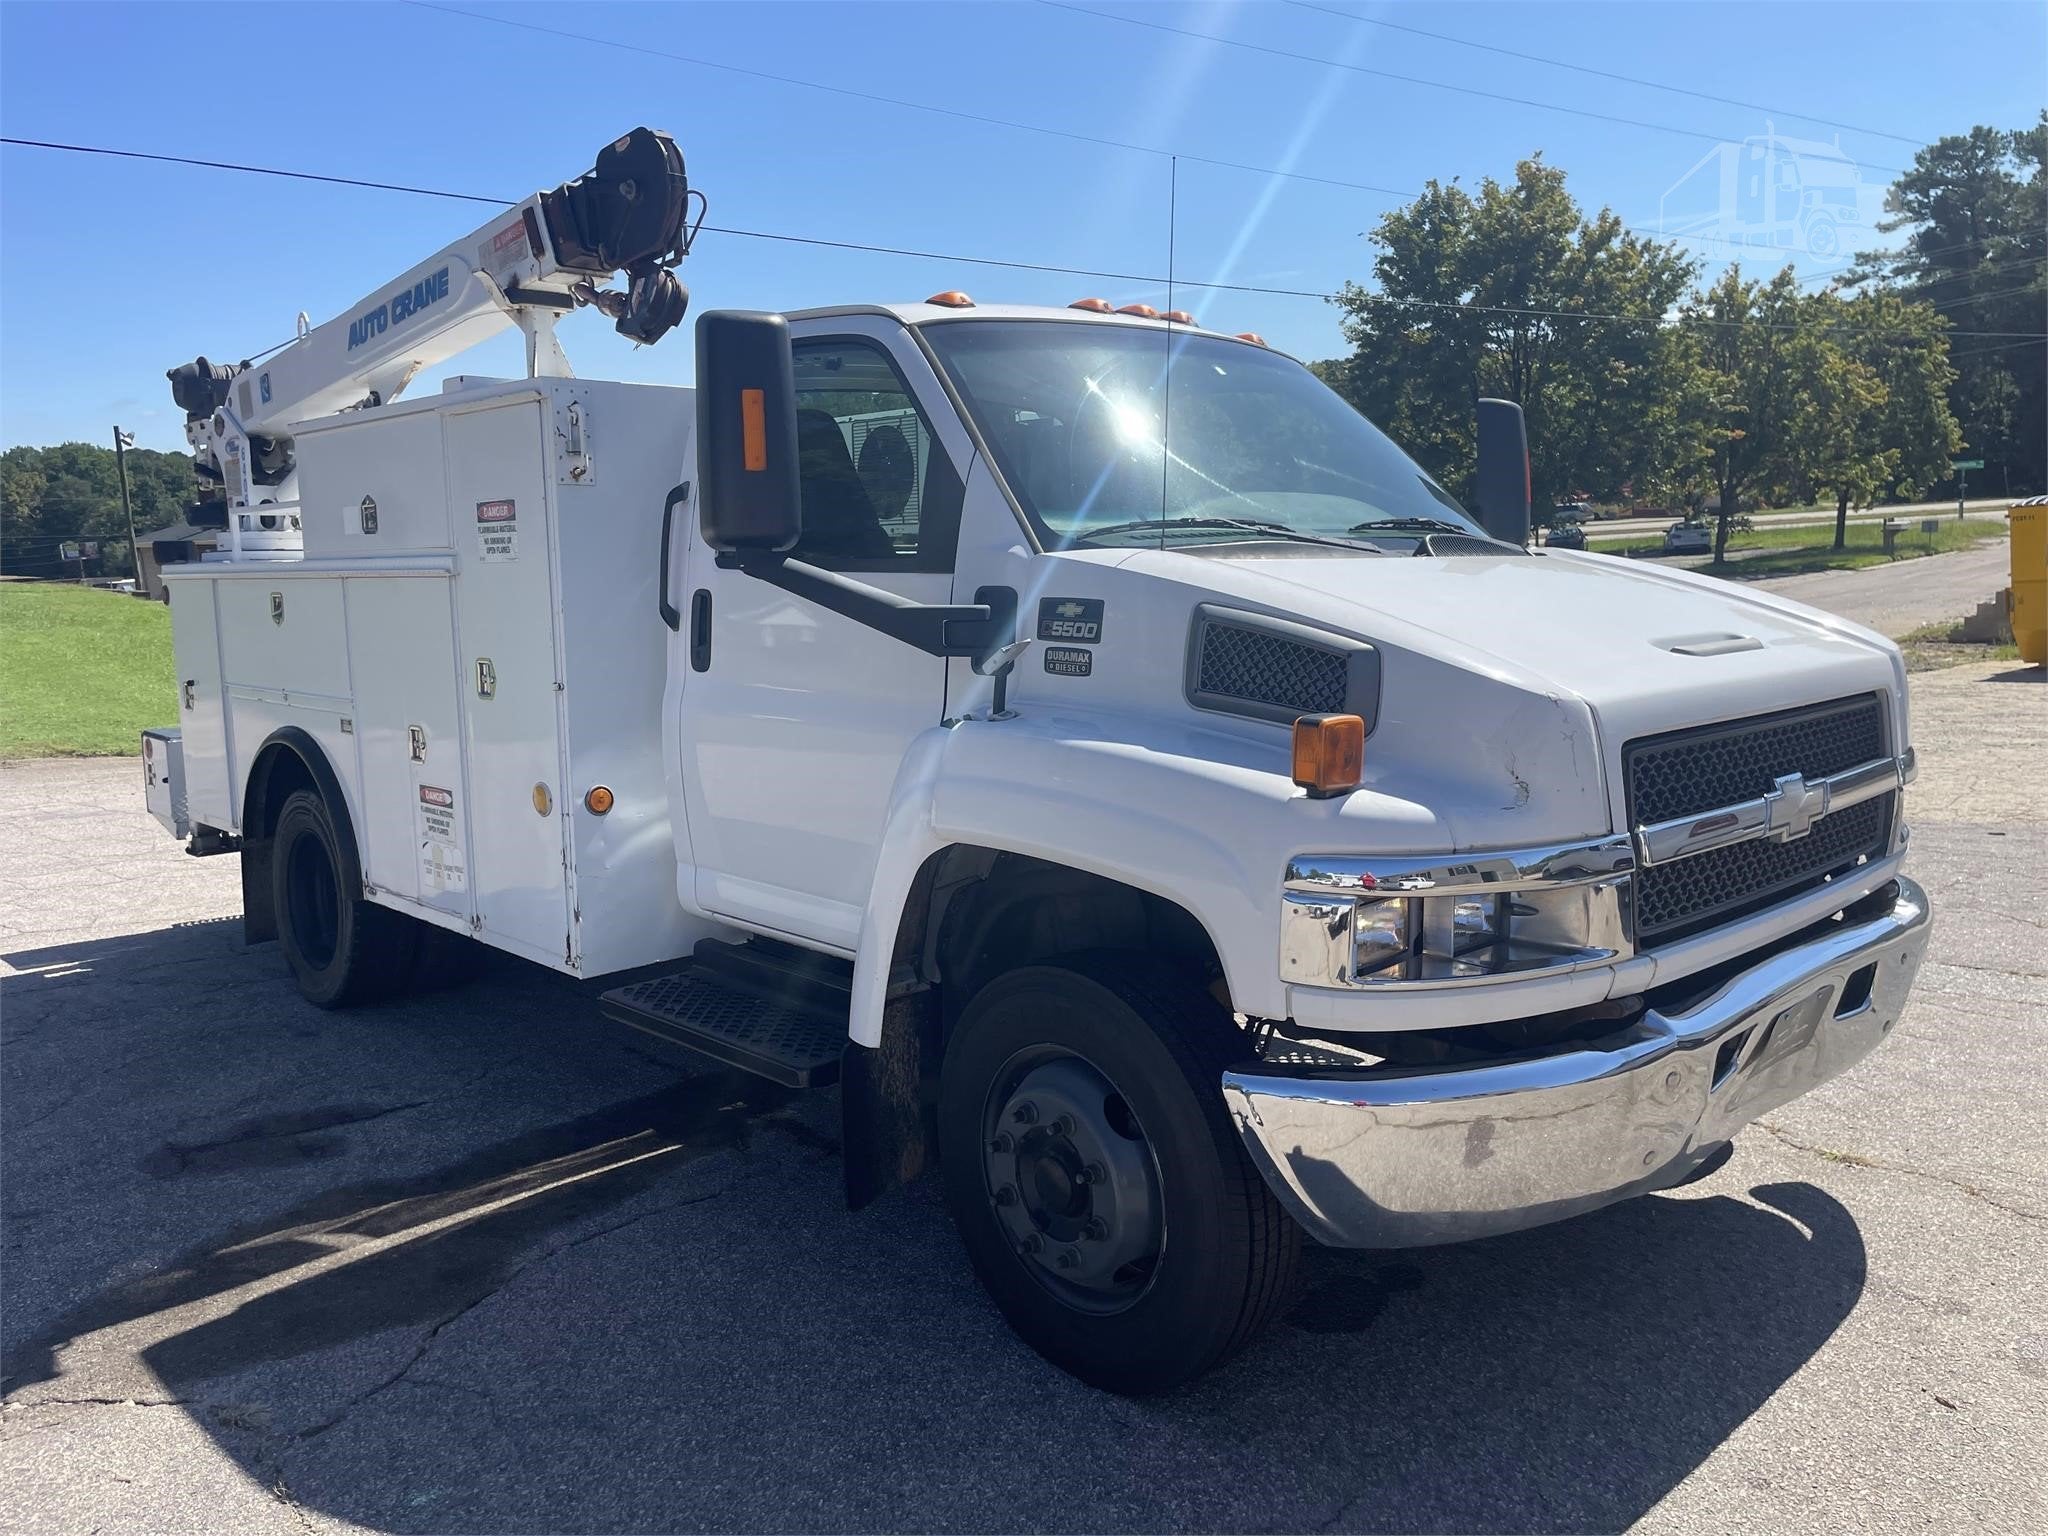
(395, 461)
(284, 632)
(195, 646)
(506, 617)
(402, 656)
(624, 863)
(254, 716)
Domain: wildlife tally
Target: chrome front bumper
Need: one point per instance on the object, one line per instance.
(1396, 1158)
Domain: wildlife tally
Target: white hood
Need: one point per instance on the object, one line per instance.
(1496, 670)
(1647, 648)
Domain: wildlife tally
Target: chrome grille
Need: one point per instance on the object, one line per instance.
(1679, 898)
(1690, 772)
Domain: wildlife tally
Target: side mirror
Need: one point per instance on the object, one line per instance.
(749, 493)
(1501, 484)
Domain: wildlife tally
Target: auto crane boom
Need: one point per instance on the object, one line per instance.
(524, 267)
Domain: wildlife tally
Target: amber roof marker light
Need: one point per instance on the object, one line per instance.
(1178, 317)
(952, 298)
(1094, 306)
(1329, 754)
(1142, 311)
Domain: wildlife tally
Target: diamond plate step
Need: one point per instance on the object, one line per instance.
(693, 1009)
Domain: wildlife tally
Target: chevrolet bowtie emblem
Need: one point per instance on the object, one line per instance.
(1070, 610)
(1792, 807)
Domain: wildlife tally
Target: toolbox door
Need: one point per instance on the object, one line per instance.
(509, 680)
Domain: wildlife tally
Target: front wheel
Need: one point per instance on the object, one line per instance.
(1103, 1195)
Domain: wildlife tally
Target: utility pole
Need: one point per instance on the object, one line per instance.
(123, 441)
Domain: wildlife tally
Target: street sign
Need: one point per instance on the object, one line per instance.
(89, 550)
(1966, 464)
(1930, 525)
(68, 550)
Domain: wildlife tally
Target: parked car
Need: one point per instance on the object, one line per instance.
(1688, 538)
(1566, 533)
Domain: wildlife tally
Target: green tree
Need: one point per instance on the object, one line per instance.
(1754, 389)
(1974, 208)
(73, 491)
(1515, 293)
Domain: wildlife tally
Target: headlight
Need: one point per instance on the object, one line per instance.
(1344, 925)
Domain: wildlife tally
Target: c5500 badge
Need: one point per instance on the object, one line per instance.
(1076, 620)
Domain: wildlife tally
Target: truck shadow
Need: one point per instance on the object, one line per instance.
(656, 1314)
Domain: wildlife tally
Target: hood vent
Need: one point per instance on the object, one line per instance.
(1265, 668)
(1443, 544)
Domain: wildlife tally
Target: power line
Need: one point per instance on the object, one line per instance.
(1981, 298)
(1388, 74)
(1604, 74)
(224, 165)
(2005, 346)
(905, 103)
(974, 117)
(1152, 279)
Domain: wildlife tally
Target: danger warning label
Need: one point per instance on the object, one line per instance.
(497, 530)
(439, 830)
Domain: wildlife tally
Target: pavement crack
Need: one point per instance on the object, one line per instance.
(18, 1406)
(420, 1351)
(1857, 1160)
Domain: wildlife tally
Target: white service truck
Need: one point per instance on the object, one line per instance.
(1080, 736)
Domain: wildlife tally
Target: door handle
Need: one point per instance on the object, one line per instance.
(700, 630)
(670, 614)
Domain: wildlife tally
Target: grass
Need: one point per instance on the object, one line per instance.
(81, 671)
(1930, 648)
(1791, 551)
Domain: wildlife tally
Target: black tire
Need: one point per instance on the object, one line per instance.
(1227, 1254)
(342, 950)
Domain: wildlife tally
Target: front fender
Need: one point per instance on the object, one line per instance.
(1197, 818)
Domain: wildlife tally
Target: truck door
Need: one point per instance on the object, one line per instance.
(794, 720)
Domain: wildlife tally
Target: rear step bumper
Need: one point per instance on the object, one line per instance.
(1373, 1157)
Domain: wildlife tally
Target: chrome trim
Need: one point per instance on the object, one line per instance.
(1784, 815)
(1461, 874)
(1578, 911)
(1380, 1157)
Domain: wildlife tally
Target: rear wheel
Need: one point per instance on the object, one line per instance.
(1103, 1196)
(341, 949)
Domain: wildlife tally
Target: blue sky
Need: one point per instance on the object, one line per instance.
(112, 271)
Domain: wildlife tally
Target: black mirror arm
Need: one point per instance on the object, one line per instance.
(937, 629)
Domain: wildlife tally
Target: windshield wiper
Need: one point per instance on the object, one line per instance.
(1275, 530)
(1409, 524)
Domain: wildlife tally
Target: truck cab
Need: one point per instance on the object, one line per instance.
(1151, 799)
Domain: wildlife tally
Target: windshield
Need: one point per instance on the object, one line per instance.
(1105, 445)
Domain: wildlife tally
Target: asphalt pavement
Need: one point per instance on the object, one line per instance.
(468, 1262)
(1898, 598)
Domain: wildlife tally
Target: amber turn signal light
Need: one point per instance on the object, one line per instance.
(597, 800)
(1329, 754)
